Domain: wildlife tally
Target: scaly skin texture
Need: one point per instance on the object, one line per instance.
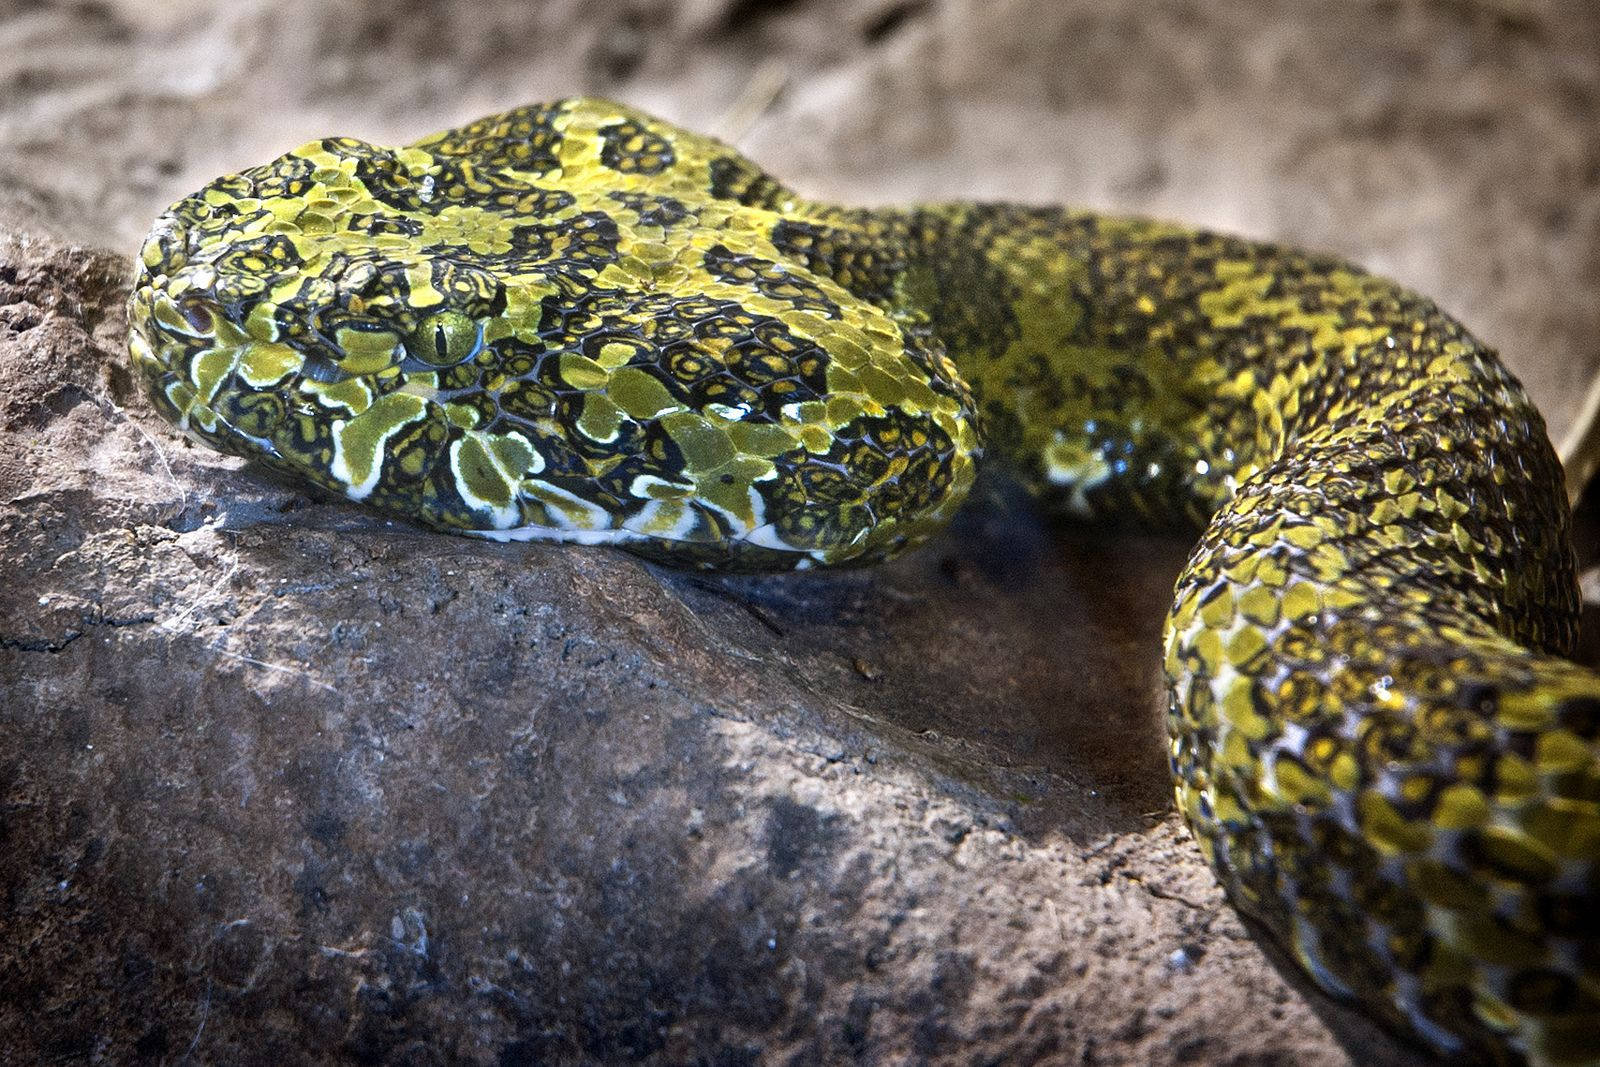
(574, 321)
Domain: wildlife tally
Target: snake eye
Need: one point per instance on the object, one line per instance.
(445, 339)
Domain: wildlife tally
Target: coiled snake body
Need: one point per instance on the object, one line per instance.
(574, 321)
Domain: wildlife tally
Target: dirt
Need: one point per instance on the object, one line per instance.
(282, 781)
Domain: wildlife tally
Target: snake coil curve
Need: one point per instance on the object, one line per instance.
(574, 321)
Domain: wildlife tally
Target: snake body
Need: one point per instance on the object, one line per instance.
(575, 321)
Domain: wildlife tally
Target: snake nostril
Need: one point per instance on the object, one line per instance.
(197, 315)
(1480, 697)
(1581, 715)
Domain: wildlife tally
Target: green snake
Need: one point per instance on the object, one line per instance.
(573, 321)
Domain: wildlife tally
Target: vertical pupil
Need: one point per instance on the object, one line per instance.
(441, 343)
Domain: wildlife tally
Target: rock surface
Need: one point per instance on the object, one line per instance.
(281, 781)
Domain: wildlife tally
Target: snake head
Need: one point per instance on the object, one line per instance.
(267, 258)
(569, 321)
(272, 302)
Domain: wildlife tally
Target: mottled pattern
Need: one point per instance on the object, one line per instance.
(574, 321)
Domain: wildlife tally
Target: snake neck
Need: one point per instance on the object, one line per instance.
(1086, 343)
(1128, 368)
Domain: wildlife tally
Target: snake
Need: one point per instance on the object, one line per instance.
(577, 322)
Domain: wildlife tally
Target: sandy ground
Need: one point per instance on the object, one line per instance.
(281, 781)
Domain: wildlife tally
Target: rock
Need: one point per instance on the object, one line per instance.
(283, 781)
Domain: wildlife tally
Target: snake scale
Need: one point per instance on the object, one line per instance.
(576, 322)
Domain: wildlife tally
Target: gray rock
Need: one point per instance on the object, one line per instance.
(285, 781)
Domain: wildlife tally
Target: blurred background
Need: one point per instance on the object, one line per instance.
(1449, 143)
